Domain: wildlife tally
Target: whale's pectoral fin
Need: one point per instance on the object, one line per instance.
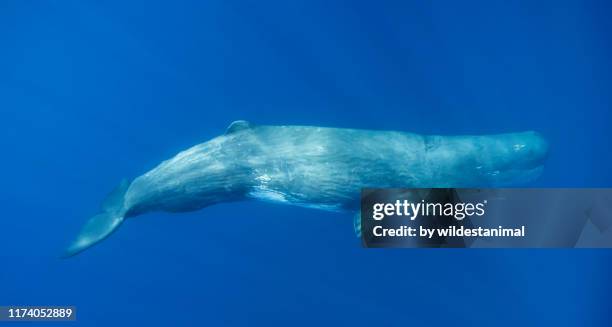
(238, 125)
(103, 224)
(357, 224)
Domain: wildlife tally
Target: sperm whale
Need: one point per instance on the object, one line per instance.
(318, 167)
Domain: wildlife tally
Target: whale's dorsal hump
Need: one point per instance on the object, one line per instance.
(238, 125)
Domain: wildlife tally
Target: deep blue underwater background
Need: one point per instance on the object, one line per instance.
(92, 92)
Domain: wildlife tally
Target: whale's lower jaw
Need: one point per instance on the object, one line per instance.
(513, 177)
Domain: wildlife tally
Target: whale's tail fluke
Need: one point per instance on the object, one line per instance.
(103, 224)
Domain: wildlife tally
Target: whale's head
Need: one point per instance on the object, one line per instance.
(488, 160)
(514, 158)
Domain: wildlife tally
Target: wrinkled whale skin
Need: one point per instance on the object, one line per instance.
(327, 167)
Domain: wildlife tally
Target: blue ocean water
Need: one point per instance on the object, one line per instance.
(92, 92)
